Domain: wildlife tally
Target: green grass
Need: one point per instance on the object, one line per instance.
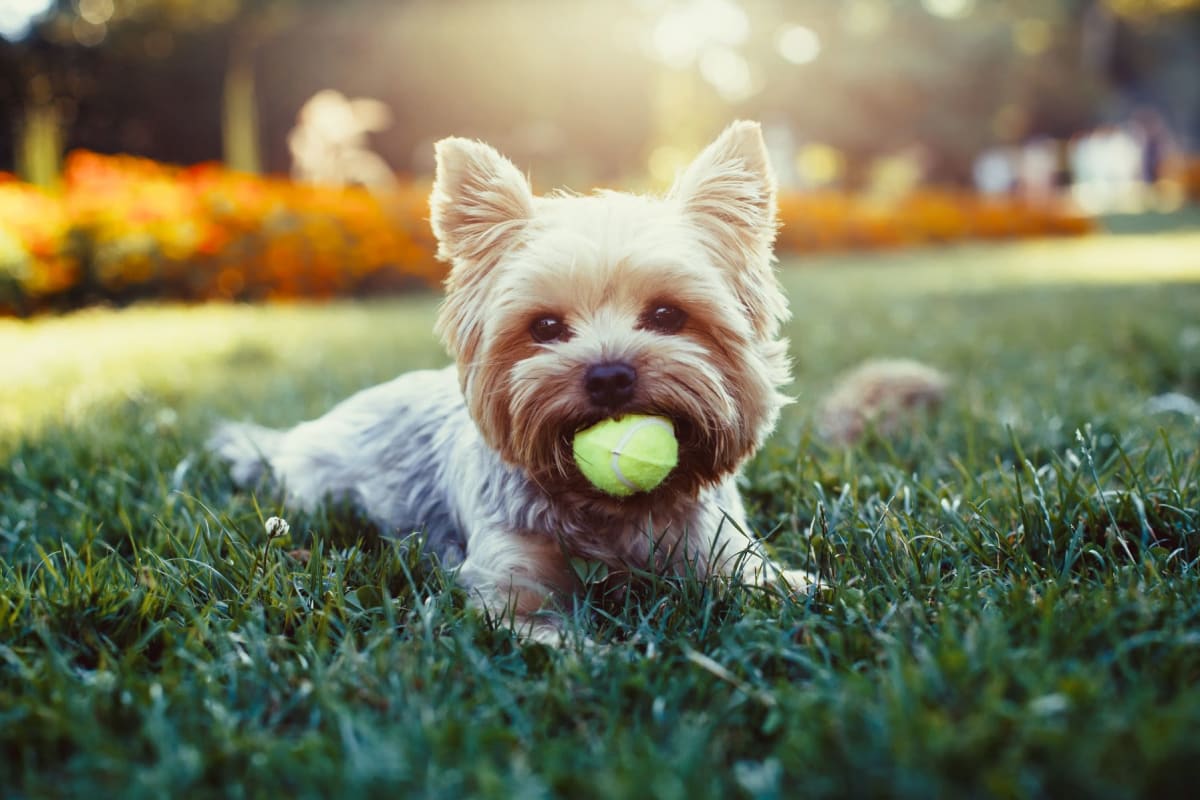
(1013, 605)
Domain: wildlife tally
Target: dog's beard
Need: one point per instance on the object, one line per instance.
(530, 402)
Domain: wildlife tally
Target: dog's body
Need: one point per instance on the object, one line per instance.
(560, 312)
(408, 454)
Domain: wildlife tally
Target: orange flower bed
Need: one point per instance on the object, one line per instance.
(207, 232)
(35, 260)
(1190, 176)
(125, 228)
(839, 221)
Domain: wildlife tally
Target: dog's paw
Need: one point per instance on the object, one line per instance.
(789, 581)
(796, 581)
(555, 638)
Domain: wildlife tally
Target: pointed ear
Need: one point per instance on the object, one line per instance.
(729, 191)
(728, 196)
(479, 208)
(480, 201)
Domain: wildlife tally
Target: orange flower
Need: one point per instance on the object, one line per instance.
(126, 223)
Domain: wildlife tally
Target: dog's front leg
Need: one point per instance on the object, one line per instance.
(520, 578)
(738, 553)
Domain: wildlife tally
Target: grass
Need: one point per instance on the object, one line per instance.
(1013, 604)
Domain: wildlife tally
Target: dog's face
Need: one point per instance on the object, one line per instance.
(564, 310)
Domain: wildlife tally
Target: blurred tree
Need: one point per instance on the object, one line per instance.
(943, 81)
(37, 75)
(578, 89)
(52, 64)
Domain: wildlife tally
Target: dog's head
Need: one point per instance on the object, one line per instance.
(565, 310)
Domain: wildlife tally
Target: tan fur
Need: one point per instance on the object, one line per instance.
(478, 455)
(884, 394)
(602, 262)
(729, 192)
(478, 209)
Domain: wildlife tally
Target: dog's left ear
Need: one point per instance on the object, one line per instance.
(728, 194)
(479, 209)
(730, 188)
(480, 202)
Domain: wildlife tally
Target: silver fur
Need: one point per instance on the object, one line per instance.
(408, 454)
(476, 458)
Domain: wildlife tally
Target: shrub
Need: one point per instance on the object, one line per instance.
(126, 228)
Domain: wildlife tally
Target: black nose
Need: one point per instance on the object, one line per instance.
(610, 385)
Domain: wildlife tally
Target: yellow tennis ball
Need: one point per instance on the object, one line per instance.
(630, 454)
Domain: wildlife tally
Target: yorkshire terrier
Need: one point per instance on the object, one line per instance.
(562, 311)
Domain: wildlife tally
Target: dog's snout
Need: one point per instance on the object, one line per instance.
(610, 385)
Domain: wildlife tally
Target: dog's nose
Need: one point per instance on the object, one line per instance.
(610, 385)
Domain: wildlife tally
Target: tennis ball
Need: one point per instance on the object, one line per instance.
(630, 454)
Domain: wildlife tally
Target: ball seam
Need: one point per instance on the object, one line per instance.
(619, 447)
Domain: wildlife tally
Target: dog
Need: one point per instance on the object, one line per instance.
(561, 311)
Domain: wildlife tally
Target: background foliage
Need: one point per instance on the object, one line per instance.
(126, 229)
(184, 82)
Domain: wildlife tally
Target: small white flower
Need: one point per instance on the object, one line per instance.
(1173, 402)
(1050, 704)
(277, 527)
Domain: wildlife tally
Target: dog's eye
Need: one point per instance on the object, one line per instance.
(664, 318)
(549, 329)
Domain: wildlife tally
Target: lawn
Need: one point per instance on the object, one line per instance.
(1013, 600)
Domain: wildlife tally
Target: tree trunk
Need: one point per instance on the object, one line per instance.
(39, 137)
(239, 119)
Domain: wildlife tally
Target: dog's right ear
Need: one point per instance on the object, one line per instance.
(480, 202)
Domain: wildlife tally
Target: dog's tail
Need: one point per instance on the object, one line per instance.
(883, 395)
(248, 449)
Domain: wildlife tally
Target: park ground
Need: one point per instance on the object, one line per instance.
(1013, 588)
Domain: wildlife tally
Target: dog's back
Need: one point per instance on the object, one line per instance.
(386, 450)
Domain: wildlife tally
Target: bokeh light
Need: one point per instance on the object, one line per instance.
(18, 16)
(728, 73)
(950, 9)
(665, 163)
(819, 164)
(97, 12)
(686, 29)
(88, 34)
(798, 44)
(866, 18)
(1032, 36)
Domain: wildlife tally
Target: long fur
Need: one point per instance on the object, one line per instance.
(478, 455)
